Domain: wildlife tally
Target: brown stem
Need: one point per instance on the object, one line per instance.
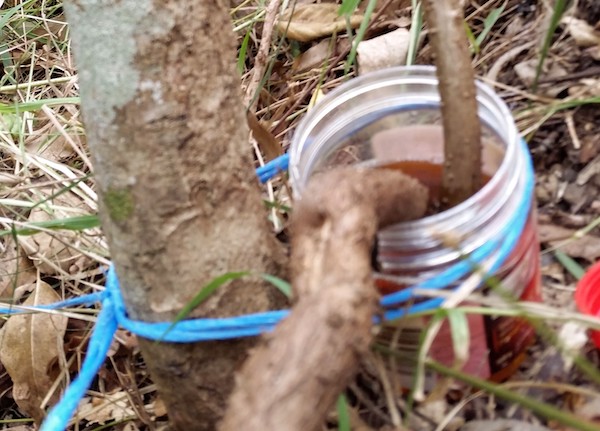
(291, 381)
(260, 62)
(462, 131)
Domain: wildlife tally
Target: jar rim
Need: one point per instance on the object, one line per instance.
(486, 98)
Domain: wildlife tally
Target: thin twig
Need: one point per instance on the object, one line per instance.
(260, 62)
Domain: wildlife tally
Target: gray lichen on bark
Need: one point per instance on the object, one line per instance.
(108, 74)
(106, 89)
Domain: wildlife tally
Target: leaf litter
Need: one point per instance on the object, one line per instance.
(31, 348)
(44, 153)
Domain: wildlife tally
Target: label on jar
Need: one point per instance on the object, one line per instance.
(405, 339)
(509, 337)
(497, 345)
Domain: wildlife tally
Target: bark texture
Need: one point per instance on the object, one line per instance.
(179, 200)
(292, 380)
(462, 130)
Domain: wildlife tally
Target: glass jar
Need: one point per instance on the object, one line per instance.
(391, 119)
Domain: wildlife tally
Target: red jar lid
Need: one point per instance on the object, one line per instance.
(587, 297)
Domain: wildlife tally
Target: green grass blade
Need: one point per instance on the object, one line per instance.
(570, 264)
(471, 38)
(587, 229)
(350, 33)
(343, 415)
(241, 63)
(278, 206)
(219, 281)
(459, 330)
(546, 410)
(574, 104)
(206, 291)
(416, 26)
(360, 35)
(61, 191)
(36, 105)
(6, 59)
(283, 286)
(78, 223)
(488, 23)
(348, 7)
(559, 9)
(7, 14)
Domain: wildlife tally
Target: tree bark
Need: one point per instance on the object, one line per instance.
(462, 130)
(292, 380)
(179, 200)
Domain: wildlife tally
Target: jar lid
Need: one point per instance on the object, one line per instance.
(587, 297)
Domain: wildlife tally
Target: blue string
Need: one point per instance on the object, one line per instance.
(275, 166)
(114, 312)
(100, 341)
(88, 299)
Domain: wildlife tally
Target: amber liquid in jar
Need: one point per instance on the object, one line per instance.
(503, 340)
(394, 115)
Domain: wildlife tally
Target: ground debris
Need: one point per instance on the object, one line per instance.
(502, 425)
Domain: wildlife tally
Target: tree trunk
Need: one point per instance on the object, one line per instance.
(179, 200)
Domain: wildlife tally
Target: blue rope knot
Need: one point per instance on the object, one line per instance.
(113, 312)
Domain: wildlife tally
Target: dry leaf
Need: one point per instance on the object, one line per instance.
(594, 52)
(526, 71)
(586, 88)
(57, 26)
(587, 247)
(317, 55)
(8, 179)
(383, 51)
(312, 21)
(502, 425)
(572, 338)
(16, 270)
(515, 26)
(589, 171)
(550, 232)
(111, 407)
(49, 252)
(590, 410)
(128, 340)
(157, 408)
(48, 140)
(270, 147)
(130, 426)
(29, 347)
(582, 33)
(21, 428)
(313, 57)
(56, 149)
(53, 252)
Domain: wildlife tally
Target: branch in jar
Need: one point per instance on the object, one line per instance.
(462, 133)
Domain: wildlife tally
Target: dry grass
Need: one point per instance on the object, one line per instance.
(46, 173)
